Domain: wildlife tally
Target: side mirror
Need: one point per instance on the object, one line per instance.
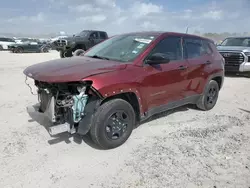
(158, 58)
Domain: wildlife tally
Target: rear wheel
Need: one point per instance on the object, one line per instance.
(113, 124)
(209, 99)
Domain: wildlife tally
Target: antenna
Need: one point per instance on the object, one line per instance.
(187, 29)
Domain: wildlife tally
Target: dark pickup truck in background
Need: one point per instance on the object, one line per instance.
(79, 43)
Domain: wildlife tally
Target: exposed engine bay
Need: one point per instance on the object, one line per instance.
(64, 104)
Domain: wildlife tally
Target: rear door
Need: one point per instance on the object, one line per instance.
(199, 55)
(165, 83)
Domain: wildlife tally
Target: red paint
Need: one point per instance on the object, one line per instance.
(153, 85)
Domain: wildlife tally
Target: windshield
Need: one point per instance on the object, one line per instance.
(82, 34)
(122, 48)
(236, 42)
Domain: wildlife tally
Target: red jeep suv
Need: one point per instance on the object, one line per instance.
(124, 80)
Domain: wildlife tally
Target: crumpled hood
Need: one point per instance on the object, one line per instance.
(71, 69)
(234, 48)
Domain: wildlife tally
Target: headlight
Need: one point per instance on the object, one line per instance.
(247, 53)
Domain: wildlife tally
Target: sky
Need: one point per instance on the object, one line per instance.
(118, 16)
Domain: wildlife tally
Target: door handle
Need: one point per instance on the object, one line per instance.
(208, 62)
(182, 67)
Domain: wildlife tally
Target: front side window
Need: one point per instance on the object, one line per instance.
(171, 47)
(123, 48)
(82, 34)
(94, 35)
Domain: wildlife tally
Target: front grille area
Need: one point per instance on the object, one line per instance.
(60, 42)
(232, 61)
(233, 58)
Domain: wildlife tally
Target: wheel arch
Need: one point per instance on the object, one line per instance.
(218, 77)
(130, 97)
(129, 92)
(79, 46)
(103, 95)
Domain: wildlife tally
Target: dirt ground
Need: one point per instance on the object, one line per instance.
(185, 148)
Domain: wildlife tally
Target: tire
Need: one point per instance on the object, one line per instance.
(78, 52)
(66, 53)
(209, 99)
(61, 53)
(19, 50)
(1, 48)
(44, 50)
(100, 128)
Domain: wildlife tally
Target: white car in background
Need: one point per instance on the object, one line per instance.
(5, 41)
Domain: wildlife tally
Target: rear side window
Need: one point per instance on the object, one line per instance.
(206, 48)
(102, 35)
(193, 47)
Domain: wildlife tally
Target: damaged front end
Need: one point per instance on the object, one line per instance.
(68, 106)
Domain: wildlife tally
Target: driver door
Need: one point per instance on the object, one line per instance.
(166, 83)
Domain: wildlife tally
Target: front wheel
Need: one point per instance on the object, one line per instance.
(65, 53)
(209, 99)
(19, 50)
(113, 124)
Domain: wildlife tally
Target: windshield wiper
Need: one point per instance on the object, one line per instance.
(99, 57)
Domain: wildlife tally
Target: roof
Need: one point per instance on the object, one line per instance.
(241, 37)
(90, 30)
(158, 33)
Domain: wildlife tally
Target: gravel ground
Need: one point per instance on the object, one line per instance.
(185, 148)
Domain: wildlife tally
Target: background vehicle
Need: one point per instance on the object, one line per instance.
(126, 79)
(28, 46)
(236, 52)
(79, 42)
(4, 42)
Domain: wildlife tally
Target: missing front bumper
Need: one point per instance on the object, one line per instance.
(49, 114)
